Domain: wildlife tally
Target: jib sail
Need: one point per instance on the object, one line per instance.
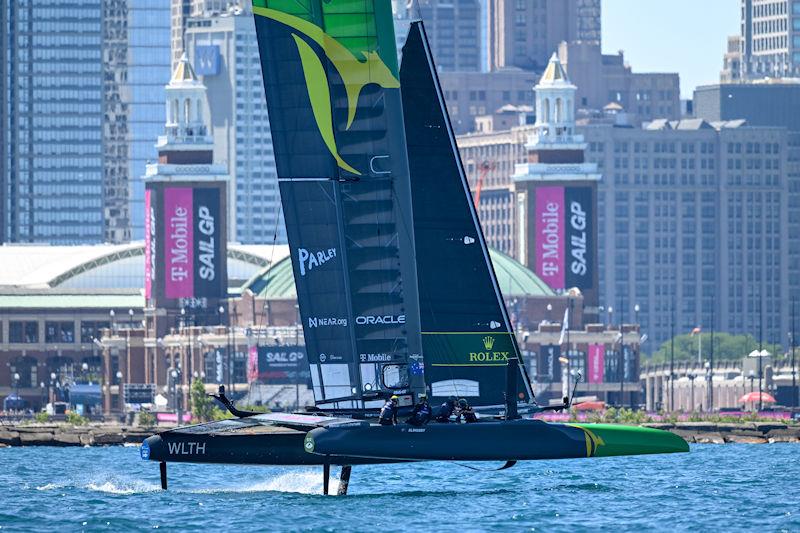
(467, 337)
(331, 80)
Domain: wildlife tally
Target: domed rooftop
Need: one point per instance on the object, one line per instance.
(515, 280)
(118, 271)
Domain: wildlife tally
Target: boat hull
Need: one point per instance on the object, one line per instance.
(518, 440)
(254, 441)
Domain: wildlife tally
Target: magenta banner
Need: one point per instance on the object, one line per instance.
(148, 241)
(550, 231)
(178, 243)
(252, 364)
(596, 362)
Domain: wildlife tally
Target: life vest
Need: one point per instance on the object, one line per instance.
(388, 411)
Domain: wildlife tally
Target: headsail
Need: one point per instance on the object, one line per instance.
(467, 337)
(331, 81)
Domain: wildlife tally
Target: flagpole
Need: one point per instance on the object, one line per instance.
(760, 349)
(711, 361)
(672, 359)
(794, 372)
(621, 352)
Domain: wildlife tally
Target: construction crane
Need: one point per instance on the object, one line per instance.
(484, 169)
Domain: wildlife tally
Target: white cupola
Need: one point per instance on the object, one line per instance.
(555, 105)
(187, 108)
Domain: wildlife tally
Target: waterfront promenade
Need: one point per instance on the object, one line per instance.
(48, 434)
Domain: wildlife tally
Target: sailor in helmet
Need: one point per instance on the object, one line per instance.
(421, 414)
(446, 410)
(465, 411)
(388, 415)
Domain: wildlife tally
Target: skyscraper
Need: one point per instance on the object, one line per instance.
(770, 39)
(182, 10)
(224, 50)
(148, 67)
(83, 88)
(454, 32)
(694, 217)
(523, 33)
(51, 160)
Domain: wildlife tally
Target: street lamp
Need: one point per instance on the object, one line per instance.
(691, 379)
(51, 394)
(16, 388)
(709, 384)
(112, 314)
(84, 370)
(549, 311)
(120, 398)
(177, 397)
(636, 310)
(130, 318)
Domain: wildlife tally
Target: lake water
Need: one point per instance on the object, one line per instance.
(715, 487)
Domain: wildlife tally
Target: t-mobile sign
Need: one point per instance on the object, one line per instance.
(149, 243)
(564, 237)
(178, 240)
(192, 242)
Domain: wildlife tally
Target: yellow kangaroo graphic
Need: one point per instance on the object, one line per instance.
(355, 73)
(592, 440)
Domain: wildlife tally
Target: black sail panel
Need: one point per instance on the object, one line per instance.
(466, 333)
(331, 82)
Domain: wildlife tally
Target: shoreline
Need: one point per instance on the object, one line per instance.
(62, 435)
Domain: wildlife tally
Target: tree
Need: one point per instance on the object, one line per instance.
(727, 347)
(201, 404)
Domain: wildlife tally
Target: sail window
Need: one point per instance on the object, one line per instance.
(336, 380)
(395, 376)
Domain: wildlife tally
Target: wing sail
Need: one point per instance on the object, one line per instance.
(331, 80)
(467, 336)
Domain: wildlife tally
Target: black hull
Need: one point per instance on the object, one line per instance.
(258, 440)
(350, 442)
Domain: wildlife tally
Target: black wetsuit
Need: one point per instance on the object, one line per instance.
(421, 414)
(445, 412)
(388, 414)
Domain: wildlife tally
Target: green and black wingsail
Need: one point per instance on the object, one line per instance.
(333, 95)
(467, 339)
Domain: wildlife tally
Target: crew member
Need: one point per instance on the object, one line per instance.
(389, 412)
(421, 413)
(466, 411)
(446, 410)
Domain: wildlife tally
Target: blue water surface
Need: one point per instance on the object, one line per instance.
(732, 487)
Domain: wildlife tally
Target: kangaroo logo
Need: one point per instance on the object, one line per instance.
(593, 441)
(356, 73)
(488, 342)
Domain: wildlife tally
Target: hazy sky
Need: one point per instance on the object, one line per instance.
(684, 36)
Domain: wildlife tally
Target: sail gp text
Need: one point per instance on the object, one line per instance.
(310, 259)
(578, 239)
(206, 247)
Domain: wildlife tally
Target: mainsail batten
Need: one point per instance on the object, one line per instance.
(331, 81)
(467, 335)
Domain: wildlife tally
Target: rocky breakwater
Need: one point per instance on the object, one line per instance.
(70, 435)
(741, 432)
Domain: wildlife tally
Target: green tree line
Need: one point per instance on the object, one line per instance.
(726, 347)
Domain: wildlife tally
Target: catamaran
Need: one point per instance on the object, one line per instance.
(396, 290)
